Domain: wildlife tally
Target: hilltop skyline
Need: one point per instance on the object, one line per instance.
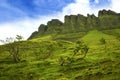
(23, 16)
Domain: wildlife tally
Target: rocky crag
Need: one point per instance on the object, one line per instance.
(106, 19)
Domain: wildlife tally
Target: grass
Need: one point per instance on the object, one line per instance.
(99, 64)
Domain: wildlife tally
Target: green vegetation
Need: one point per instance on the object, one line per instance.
(49, 59)
(82, 55)
(13, 47)
(80, 46)
(106, 20)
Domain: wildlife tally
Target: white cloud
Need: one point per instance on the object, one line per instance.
(79, 7)
(26, 26)
(96, 1)
(84, 7)
(116, 5)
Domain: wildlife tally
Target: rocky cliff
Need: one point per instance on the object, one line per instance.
(106, 19)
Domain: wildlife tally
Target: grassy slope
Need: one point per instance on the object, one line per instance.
(99, 64)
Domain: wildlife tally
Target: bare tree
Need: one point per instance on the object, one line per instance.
(12, 45)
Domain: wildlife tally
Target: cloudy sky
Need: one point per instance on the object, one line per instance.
(22, 17)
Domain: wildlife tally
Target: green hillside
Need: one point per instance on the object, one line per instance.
(43, 56)
(66, 52)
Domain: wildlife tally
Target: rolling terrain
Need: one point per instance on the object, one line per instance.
(49, 53)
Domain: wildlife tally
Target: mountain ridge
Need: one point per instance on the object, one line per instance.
(106, 19)
(81, 48)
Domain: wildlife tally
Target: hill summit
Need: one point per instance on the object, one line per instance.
(106, 20)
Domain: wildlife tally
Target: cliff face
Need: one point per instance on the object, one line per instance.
(53, 26)
(76, 23)
(105, 12)
(109, 19)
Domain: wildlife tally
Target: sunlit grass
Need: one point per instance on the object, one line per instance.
(100, 63)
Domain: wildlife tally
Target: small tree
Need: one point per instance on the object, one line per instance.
(44, 51)
(19, 37)
(77, 47)
(61, 61)
(81, 46)
(84, 50)
(13, 47)
(103, 42)
(118, 37)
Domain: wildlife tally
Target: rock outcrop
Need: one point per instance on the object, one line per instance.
(105, 12)
(76, 23)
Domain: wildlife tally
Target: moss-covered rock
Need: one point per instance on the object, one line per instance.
(106, 19)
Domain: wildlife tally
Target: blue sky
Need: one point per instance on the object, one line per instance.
(100, 3)
(24, 16)
(17, 9)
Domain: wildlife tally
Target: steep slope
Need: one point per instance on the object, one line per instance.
(41, 60)
(49, 54)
